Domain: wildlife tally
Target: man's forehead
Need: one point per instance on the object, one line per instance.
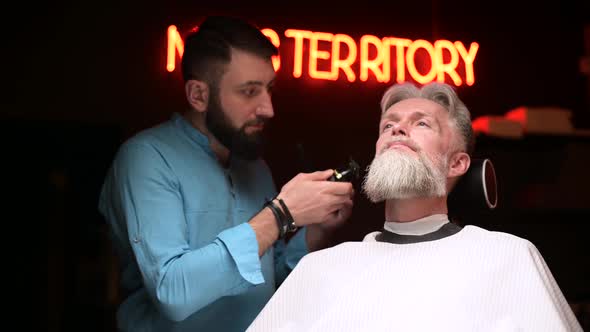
(415, 106)
(246, 67)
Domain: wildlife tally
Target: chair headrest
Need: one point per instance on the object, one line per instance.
(477, 189)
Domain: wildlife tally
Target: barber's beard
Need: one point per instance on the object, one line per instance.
(397, 174)
(240, 144)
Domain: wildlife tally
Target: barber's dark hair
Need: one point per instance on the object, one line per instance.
(207, 50)
(442, 94)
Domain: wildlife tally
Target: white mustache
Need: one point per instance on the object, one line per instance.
(401, 139)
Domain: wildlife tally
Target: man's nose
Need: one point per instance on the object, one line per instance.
(265, 108)
(399, 128)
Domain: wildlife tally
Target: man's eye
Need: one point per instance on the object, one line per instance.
(387, 126)
(249, 92)
(423, 124)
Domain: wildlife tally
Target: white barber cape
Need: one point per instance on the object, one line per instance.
(472, 280)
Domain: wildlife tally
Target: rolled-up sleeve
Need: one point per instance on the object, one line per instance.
(242, 245)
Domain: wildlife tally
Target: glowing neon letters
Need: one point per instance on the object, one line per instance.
(334, 56)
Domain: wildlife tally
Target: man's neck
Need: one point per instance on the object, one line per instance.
(408, 210)
(197, 120)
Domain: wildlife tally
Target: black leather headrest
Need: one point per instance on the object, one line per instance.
(477, 189)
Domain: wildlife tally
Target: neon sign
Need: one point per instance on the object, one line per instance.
(335, 56)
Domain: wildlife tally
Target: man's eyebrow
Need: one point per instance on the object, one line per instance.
(419, 115)
(248, 83)
(413, 116)
(388, 116)
(254, 82)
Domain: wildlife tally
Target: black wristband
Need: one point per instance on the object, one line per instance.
(290, 221)
(279, 218)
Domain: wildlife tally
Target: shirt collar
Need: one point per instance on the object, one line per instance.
(421, 226)
(191, 132)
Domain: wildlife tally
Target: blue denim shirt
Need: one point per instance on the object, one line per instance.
(189, 258)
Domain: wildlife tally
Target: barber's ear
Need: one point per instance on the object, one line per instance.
(197, 94)
(459, 164)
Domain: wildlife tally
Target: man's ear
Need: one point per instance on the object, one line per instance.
(197, 94)
(458, 164)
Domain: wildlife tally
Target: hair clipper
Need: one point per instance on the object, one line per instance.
(346, 173)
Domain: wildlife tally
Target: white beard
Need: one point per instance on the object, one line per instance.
(395, 174)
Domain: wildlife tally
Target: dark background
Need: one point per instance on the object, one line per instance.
(94, 74)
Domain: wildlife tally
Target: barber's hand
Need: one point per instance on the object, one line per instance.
(312, 200)
(337, 218)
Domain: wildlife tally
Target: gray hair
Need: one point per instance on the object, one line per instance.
(441, 94)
